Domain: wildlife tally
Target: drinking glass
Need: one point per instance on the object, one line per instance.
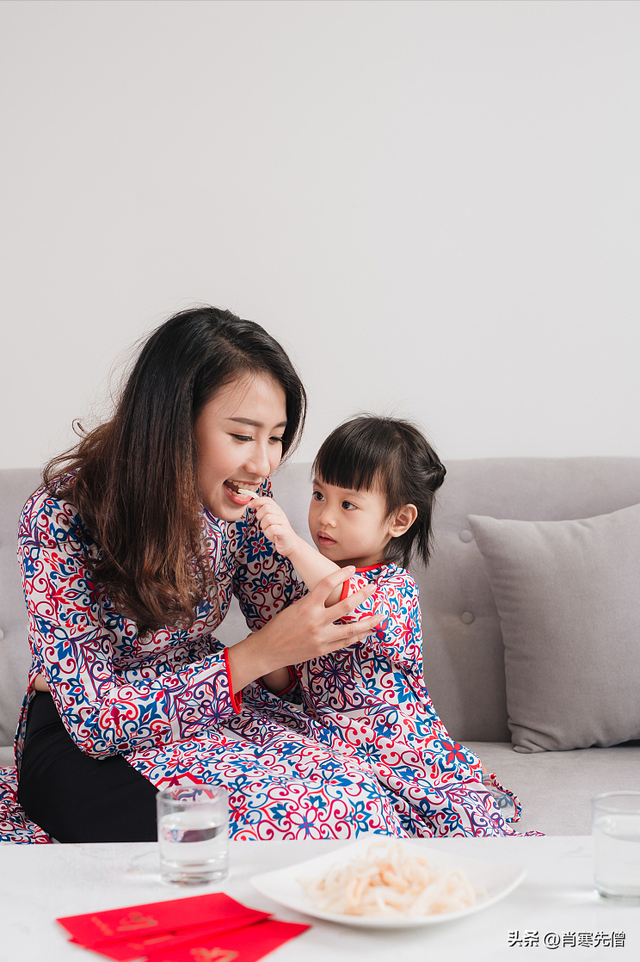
(616, 834)
(193, 834)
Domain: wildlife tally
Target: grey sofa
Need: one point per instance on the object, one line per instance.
(464, 645)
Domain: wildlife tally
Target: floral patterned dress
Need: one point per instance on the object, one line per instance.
(370, 701)
(163, 700)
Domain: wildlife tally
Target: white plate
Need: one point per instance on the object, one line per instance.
(494, 880)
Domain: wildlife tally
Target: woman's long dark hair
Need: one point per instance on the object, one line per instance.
(134, 478)
(392, 455)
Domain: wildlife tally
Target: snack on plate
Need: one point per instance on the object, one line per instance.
(389, 882)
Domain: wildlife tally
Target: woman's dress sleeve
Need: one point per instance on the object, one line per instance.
(113, 690)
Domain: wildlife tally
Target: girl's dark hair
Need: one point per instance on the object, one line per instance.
(394, 456)
(135, 477)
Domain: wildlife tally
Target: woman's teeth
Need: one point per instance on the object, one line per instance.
(238, 493)
(236, 487)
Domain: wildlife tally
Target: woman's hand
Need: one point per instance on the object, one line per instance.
(303, 631)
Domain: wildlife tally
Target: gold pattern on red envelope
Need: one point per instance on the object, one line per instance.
(135, 920)
(243, 945)
(213, 955)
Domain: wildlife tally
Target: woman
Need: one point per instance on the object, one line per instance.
(130, 554)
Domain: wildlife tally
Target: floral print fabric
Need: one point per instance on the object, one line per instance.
(366, 753)
(369, 701)
(14, 824)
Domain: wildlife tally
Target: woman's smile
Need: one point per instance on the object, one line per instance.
(232, 487)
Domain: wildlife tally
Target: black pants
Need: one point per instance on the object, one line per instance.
(77, 798)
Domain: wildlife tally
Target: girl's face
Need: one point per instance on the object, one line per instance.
(349, 527)
(238, 435)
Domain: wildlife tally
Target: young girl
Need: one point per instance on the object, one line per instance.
(374, 488)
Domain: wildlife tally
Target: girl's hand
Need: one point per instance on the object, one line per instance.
(303, 631)
(275, 525)
(310, 565)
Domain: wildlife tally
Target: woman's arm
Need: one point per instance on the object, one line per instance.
(304, 630)
(113, 691)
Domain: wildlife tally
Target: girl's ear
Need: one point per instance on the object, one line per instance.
(402, 519)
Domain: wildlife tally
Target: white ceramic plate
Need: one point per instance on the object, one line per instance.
(494, 880)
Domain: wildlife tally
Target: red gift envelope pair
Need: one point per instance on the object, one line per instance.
(205, 928)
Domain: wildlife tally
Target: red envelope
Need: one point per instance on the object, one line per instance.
(141, 948)
(137, 922)
(243, 945)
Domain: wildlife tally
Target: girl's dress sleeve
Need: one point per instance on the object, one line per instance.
(264, 581)
(113, 690)
(398, 636)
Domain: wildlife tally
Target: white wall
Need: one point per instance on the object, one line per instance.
(435, 206)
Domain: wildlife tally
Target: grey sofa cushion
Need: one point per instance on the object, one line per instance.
(567, 593)
(556, 788)
(463, 647)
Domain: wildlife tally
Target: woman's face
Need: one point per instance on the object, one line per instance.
(238, 435)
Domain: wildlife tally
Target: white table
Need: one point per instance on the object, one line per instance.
(39, 883)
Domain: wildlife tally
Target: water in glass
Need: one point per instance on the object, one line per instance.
(617, 855)
(193, 836)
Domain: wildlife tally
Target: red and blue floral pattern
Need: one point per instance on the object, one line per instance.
(14, 824)
(372, 697)
(368, 753)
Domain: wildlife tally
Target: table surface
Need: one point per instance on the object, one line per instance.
(39, 883)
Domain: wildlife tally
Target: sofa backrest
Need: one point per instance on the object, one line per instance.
(463, 650)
